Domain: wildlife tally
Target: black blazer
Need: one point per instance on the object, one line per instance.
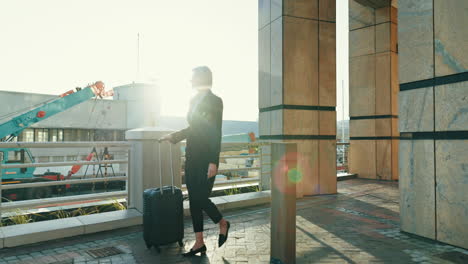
(204, 132)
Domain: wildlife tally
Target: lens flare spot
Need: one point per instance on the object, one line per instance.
(294, 175)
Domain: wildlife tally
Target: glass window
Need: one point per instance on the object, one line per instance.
(27, 135)
(14, 156)
(44, 159)
(1, 156)
(57, 158)
(71, 158)
(92, 135)
(60, 135)
(82, 135)
(67, 135)
(53, 135)
(41, 134)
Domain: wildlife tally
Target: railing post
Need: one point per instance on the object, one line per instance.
(1, 185)
(144, 171)
(283, 202)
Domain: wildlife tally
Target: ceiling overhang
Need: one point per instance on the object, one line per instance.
(375, 3)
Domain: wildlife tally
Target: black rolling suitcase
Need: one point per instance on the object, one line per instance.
(163, 213)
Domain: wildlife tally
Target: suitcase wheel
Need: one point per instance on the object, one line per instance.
(181, 244)
(148, 246)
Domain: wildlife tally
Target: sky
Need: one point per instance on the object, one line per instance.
(52, 46)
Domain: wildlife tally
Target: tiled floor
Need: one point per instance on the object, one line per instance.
(359, 225)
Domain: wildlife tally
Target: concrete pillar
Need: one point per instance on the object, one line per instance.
(297, 85)
(144, 170)
(433, 114)
(373, 91)
(283, 203)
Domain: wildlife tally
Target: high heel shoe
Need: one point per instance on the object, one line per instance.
(192, 252)
(223, 238)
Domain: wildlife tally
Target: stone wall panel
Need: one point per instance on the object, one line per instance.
(301, 8)
(417, 194)
(362, 128)
(300, 122)
(415, 32)
(452, 196)
(327, 10)
(276, 61)
(451, 36)
(416, 110)
(362, 41)
(327, 125)
(264, 67)
(362, 86)
(263, 13)
(383, 159)
(382, 37)
(327, 64)
(383, 82)
(300, 61)
(362, 158)
(327, 166)
(360, 16)
(277, 122)
(451, 107)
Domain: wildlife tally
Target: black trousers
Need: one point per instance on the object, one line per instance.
(199, 189)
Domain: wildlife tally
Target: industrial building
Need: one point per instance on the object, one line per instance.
(93, 120)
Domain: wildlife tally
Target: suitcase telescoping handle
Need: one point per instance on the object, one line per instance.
(160, 167)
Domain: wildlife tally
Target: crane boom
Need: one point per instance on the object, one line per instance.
(15, 125)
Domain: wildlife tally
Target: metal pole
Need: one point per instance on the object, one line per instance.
(1, 180)
(260, 160)
(160, 166)
(138, 57)
(342, 125)
(343, 105)
(128, 182)
(172, 169)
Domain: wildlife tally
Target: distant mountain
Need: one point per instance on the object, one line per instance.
(230, 127)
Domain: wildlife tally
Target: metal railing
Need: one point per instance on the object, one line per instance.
(342, 160)
(342, 163)
(242, 150)
(72, 181)
(235, 150)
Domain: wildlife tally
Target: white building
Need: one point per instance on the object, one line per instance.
(133, 105)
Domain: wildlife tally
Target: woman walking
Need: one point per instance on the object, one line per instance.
(202, 156)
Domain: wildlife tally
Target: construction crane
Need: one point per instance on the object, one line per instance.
(17, 123)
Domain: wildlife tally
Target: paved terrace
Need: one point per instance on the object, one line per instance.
(359, 225)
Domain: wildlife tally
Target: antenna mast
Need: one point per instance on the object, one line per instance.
(138, 57)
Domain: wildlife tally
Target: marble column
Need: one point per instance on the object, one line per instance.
(433, 111)
(297, 86)
(373, 67)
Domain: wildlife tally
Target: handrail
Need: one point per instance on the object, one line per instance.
(87, 176)
(54, 183)
(58, 200)
(240, 156)
(64, 144)
(59, 164)
(253, 181)
(239, 169)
